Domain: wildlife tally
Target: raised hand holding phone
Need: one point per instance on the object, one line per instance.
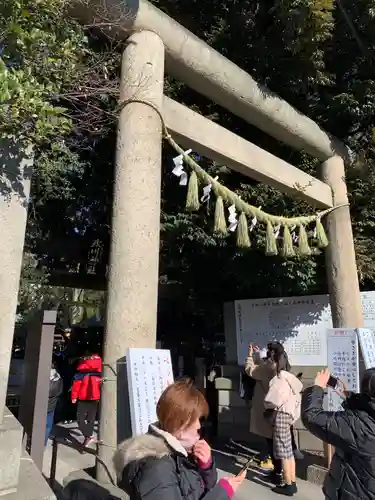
(236, 481)
(322, 378)
(332, 382)
(341, 389)
(253, 348)
(245, 467)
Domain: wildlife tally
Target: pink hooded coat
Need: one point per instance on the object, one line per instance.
(284, 394)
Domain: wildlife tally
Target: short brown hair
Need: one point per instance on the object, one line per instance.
(180, 405)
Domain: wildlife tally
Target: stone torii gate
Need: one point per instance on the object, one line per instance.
(155, 42)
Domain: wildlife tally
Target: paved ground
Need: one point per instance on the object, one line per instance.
(229, 460)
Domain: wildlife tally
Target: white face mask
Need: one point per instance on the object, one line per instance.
(188, 439)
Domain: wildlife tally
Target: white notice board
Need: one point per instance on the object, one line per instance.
(149, 372)
(300, 323)
(343, 362)
(367, 344)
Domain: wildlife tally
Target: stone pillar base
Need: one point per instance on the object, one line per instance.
(20, 479)
(31, 484)
(10, 453)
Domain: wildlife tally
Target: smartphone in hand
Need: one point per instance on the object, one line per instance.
(333, 382)
(245, 467)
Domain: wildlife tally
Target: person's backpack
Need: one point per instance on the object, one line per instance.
(247, 385)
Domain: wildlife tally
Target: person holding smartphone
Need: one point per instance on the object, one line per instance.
(172, 461)
(351, 432)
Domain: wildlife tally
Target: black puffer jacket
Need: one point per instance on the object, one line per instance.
(352, 433)
(55, 390)
(156, 467)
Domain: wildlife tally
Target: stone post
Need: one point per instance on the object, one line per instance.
(340, 257)
(230, 332)
(35, 390)
(134, 259)
(15, 175)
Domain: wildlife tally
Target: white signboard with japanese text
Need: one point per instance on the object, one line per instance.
(149, 372)
(368, 309)
(343, 362)
(367, 343)
(300, 323)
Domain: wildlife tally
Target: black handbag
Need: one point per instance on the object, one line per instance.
(269, 415)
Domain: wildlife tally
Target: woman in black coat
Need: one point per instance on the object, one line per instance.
(171, 461)
(352, 432)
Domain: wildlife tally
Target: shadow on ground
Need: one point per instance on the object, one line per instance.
(84, 489)
(231, 455)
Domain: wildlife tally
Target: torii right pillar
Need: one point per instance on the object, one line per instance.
(340, 257)
(342, 275)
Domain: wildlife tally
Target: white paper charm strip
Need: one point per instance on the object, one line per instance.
(277, 231)
(294, 235)
(178, 170)
(232, 219)
(183, 179)
(178, 160)
(207, 192)
(254, 221)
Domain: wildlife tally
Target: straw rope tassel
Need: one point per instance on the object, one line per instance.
(243, 238)
(192, 198)
(220, 223)
(303, 242)
(321, 238)
(271, 243)
(287, 249)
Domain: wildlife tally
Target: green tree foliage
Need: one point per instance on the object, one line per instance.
(306, 51)
(41, 52)
(56, 94)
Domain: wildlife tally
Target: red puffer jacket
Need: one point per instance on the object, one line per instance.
(87, 380)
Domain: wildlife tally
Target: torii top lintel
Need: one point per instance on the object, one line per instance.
(213, 75)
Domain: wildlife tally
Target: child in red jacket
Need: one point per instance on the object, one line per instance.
(86, 393)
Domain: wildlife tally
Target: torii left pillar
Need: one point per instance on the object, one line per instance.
(134, 258)
(16, 162)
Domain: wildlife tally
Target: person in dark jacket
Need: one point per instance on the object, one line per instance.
(55, 391)
(86, 393)
(171, 461)
(352, 432)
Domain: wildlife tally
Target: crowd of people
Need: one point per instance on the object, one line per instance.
(172, 461)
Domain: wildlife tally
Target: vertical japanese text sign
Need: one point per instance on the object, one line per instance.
(149, 372)
(343, 362)
(367, 344)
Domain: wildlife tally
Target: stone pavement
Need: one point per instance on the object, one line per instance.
(228, 460)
